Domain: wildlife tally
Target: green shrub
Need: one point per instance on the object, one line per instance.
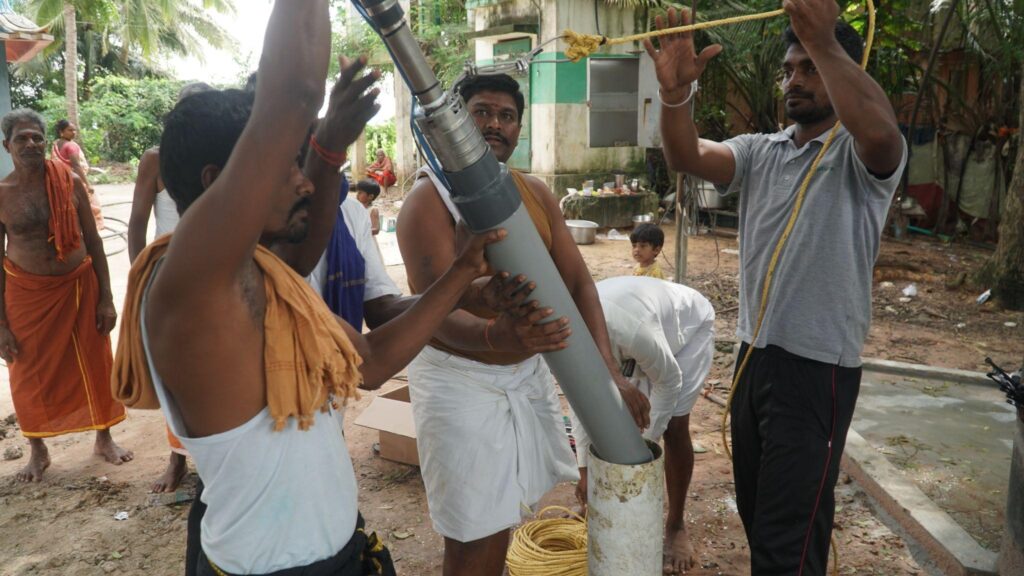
(380, 137)
(123, 117)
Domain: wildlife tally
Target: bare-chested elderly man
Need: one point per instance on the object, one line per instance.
(57, 309)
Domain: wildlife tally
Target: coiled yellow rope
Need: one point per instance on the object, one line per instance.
(549, 546)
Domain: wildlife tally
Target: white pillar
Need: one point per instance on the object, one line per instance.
(406, 161)
(359, 158)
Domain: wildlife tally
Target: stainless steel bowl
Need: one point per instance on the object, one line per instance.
(643, 218)
(582, 231)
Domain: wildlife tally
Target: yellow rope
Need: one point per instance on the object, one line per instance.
(549, 546)
(583, 45)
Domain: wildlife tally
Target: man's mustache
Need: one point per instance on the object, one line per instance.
(302, 204)
(798, 94)
(497, 135)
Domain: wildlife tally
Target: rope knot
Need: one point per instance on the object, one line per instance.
(582, 45)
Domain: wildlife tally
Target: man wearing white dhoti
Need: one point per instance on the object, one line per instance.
(489, 425)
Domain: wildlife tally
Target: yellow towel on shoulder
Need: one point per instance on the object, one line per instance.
(306, 354)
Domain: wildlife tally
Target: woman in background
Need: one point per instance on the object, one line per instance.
(69, 152)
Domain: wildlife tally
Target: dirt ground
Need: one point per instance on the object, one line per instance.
(66, 525)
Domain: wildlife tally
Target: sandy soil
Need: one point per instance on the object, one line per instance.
(66, 524)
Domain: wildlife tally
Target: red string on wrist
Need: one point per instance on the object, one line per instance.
(487, 330)
(332, 158)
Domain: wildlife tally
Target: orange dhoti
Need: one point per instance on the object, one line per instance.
(60, 379)
(385, 178)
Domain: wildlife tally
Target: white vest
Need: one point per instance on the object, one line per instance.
(275, 500)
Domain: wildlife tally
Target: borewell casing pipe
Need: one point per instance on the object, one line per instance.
(624, 526)
(487, 198)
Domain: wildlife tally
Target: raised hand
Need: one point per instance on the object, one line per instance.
(677, 64)
(350, 105)
(813, 21)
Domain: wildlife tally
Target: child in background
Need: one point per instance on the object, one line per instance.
(647, 240)
(366, 192)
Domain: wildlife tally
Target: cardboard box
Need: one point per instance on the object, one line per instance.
(391, 414)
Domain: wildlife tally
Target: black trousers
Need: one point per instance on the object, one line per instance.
(364, 555)
(790, 416)
(193, 546)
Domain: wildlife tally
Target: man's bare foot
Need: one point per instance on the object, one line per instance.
(38, 462)
(172, 476)
(109, 450)
(679, 554)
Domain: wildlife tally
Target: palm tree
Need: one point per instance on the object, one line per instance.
(71, 62)
(131, 29)
(749, 65)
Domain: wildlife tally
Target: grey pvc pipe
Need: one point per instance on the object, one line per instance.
(493, 201)
(487, 198)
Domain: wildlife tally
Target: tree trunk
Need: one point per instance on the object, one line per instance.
(1004, 272)
(71, 63)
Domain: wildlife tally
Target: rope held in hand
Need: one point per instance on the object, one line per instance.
(583, 45)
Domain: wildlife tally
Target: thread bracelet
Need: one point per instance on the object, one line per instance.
(332, 158)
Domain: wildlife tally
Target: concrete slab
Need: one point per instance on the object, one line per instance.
(926, 372)
(940, 542)
(932, 448)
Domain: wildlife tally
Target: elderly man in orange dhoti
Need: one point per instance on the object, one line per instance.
(56, 307)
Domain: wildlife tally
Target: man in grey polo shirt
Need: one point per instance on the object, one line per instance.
(794, 402)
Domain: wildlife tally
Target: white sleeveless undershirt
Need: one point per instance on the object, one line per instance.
(274, 500)
(165, 213)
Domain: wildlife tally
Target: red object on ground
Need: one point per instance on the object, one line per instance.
(929, 196)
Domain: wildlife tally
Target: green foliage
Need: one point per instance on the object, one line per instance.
(352, 37)
(145, 28)
(900, 33)
(380, 137)
(747, 68)
(123, 118)
(441, 28)
(116, 38)
(633, 4)
(439, 25)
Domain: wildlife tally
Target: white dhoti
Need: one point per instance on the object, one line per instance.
(491, 441)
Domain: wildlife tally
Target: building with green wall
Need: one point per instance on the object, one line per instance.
(584, 120)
